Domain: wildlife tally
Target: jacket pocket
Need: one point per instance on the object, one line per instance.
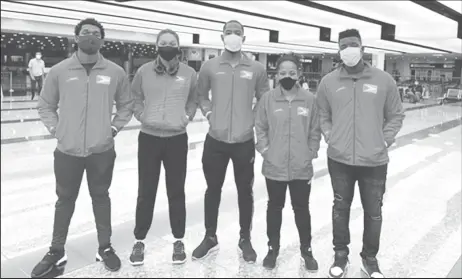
(182, 122)
(68, 135)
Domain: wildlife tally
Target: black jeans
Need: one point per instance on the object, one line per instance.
(36, 83)
(371, 182)
(215, 161)
(300, 195)
(69, 173)
(152, 152)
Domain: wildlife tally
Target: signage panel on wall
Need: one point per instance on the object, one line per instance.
(433, 65)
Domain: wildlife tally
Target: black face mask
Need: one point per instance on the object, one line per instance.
(287, 83)
(168, 52)
(89, 44)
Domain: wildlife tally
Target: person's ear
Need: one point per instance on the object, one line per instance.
(243, 39)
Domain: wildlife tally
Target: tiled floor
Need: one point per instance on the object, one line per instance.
(422, 212)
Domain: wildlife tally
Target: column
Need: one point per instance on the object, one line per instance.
(70, 48)
(378, 60)
(262, 59)
(27, 57)
(128, 64)
(457, 73)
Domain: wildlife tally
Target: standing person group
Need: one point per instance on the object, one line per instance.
(357, 110)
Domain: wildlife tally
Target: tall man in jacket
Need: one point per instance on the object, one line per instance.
(361, 114)
(234, 80)
(84, 87)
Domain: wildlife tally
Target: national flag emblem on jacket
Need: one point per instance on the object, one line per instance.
(303, 111)
(103, 79)
(370, 88)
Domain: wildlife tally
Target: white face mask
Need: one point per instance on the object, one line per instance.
(38, 56)
(351, 56)
(233, 42)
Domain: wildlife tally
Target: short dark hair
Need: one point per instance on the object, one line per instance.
(90, 21)
(292, 57)
(349, 33)
(233, 21)
(38, 51)
(168, 31)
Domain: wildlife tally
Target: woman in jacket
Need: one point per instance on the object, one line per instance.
(164, 93)
(288, 135)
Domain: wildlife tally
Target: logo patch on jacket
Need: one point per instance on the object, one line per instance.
(370, 88)
(246, 74)
(103, 80)
(72, 79)
(303, 111)
(178, 78)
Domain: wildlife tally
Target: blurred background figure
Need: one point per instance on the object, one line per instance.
(36, 72)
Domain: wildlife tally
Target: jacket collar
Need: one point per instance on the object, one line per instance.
(367, 71)
(75, 63)
(225, 58)
(279, 95)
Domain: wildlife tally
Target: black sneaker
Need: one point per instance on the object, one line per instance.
(53, 259)
(137, 256)
(109, 258)
(179, 256)
(310, 262)
(370, 266)
(208, 245)
(340, 266)
(269, 261)
(248, 253)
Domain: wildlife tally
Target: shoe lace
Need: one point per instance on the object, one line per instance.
(138, 248)
(178, 247)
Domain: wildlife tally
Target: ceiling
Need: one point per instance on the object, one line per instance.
(394, 27)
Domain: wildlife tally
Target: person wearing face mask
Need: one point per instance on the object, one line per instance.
(288, 134)
(165, 102)
(84, 88)
(361, 114)
(235, 80)
(36, 72)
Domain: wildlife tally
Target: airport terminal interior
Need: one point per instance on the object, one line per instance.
(418, 43)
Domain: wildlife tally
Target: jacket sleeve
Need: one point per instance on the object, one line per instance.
(324, 110)
(314, 137)
(261, 126)
(191, 104)
(203, 89)
(138, 96)
(124, 103)
(393, 112)
(48, 102)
